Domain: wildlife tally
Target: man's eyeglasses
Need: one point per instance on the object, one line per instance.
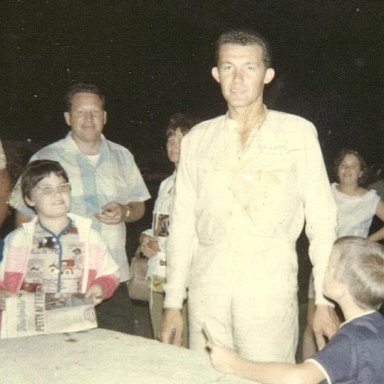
(62, 188)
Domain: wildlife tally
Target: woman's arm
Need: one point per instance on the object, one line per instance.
(378, 235)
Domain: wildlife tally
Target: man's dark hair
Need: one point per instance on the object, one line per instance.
(82, 88)
(36, 170)
(183, 120)
(245, 37)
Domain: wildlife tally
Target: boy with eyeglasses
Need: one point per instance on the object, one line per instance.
(57, 252)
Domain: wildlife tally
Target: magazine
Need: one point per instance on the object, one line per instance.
(37, 313)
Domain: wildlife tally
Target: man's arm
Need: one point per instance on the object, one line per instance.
(180, 244)
(171, 329)
(134, 211)
(226, 360)
(320, 215)
(5, 188)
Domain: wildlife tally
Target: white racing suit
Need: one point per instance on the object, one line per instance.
(246, 208)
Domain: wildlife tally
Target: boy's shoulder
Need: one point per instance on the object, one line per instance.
(19, 237)
(370, 326)
(343, 358)
(363, 328)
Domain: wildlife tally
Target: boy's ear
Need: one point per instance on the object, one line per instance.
(29, 202)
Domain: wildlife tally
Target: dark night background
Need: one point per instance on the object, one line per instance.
(153, 58)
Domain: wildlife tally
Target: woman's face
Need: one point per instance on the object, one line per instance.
(173, 146)
(349, 170)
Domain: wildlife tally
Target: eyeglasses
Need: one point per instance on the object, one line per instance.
(62, 188)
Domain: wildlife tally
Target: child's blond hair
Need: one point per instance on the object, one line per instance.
(360, 265)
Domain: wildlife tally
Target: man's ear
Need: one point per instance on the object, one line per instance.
(105, 117)
(215, 74)
(269, 75)
(67, 118)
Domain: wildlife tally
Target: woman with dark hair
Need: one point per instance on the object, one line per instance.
(153, 241)
(356, 207)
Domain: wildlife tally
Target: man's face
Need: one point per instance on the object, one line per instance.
(242, 74)
(86, 117)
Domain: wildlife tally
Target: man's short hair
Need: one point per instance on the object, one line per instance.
(360, 265)
(36, 170)
(245, 37)
(363, 164)
(182, 120)
(81, 87)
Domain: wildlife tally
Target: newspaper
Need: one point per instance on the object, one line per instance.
(29, 314)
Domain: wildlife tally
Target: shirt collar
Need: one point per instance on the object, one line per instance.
(358, 316)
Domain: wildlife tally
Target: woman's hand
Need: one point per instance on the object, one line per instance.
(149, 246)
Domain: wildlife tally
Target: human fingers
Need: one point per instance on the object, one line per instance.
(320, 340)
(153, 245)
(95, 296)
(107, 219)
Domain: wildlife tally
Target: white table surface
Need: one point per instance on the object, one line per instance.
(103, 356)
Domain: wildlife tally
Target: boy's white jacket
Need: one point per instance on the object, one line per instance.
(18, 246)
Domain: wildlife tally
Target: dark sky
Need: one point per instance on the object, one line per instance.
(153, 58)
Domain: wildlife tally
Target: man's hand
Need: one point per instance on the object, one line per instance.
(149, 246)
(325, 323)
(115, 213)
(112, 213)
(95, 293)
(171, 329)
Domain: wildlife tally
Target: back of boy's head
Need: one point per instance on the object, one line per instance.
(360, 265)
(36, 170)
